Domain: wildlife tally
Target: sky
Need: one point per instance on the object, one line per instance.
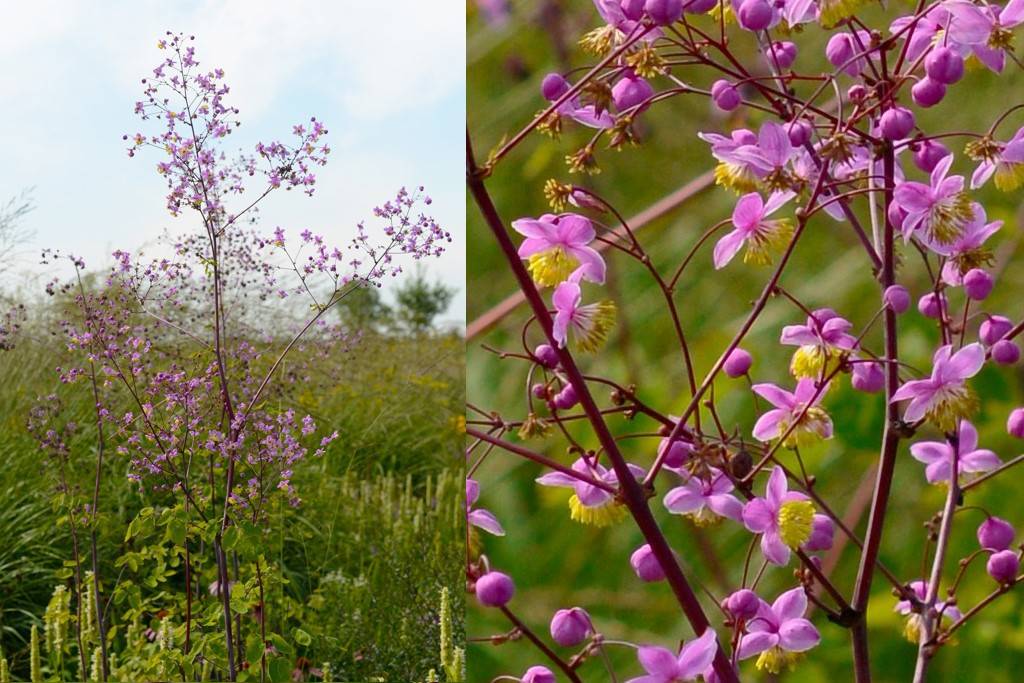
(389, 84)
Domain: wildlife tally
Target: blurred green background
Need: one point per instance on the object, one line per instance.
(557, 563)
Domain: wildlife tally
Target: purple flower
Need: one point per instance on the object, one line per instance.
(590, 504)
(538, 674)
(937, 210)
(750, 227)
(1004, 160)
(480, 518)
(825, 337)
(779, 632)
(588, 323)
(944, 397)
(815, 423)
(663, 666)
(734, 170)
(770, 156)
(967, 251)
(704, 501)
(939, 456)
(912, 628)
(784, 518)
(557, 246)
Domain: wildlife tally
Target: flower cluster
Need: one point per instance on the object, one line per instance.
(828, 141)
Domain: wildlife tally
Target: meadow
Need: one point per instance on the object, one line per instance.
(361, 563)
(664, 187)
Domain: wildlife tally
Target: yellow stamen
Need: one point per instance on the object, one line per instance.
(603, 515)
(1008, 176)
(552, 266)
(948, 218)
(832, 12)
(775, 659)
(704, 518)
(955, 405)
(771, 237)
(739, 179)
(795, 519)
(813, 360)
(811, 429)
(595, 323)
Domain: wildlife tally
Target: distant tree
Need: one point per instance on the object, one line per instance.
(363, 309)
(418, 302)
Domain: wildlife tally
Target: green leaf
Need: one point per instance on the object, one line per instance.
(280, 670)
(301, 637)
(231, 537)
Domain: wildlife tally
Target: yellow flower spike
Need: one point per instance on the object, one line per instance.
(795, 520)
(550, 267)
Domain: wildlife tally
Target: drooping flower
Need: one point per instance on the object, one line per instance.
(557, 246)
(779, 633)
(590, 504)
(784, 518)
(967, 251)
(912, 627)
(705, 501)
(939, 456)
(815, 423)
(1002, 160)
(663, 666)
(734, 171)
(588, 324)
(480, 518)
(762, 237)
(823, 340)
(937, 210)
(944, 397)
(770, 156)
(998, 25)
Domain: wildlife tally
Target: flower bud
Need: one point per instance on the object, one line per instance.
(646, 565)
(539, 390)
(781, 54)
(1015, 423)
(896, 123)
(553, 86)
(1005, 352)
(927, 92)
(868, 377)
(743, 604)
(538, 674)
(570, 627)
(738, 363)
(839, 51)
(822, 534)
(566, 398)
(632, 9)
(931, 304)
(664, 12)
(699, 6)
(896, 214)
(630, 91)
(928, 154)
(897, 298)
(944, 65)
(856, 93)
(977, 284)
(725, 95)
(755, 15)
(1003, 566)
(994, 328)
(494, 589)
(547, 356)
(678, 452)
(995, 534)
(799, 132)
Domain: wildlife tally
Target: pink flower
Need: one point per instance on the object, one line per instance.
(557, 246)
(480, 518)
(663, 666)
(751, 228)
(784, 518)
(937, 210)
(943, 397)
(815, 424)
(589, 323)
(778, 631)
(912, 629)
(770, 155)
(590, 504)
(938, 456)
(1004, 160)
(706, 501)
(967, 251)
(734, 170)
(825, 337)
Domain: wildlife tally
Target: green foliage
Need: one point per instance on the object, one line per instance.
(377, 536)
(419, 301)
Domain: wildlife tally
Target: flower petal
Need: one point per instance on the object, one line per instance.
(791, 604)
(756, 643)
(697, 655)
(658, 661)
(798, 635)
(758, 516)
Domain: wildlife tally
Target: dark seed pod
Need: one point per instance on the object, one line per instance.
(740, 464)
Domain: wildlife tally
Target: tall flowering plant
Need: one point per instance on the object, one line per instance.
(817, 106)
(196, 396)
